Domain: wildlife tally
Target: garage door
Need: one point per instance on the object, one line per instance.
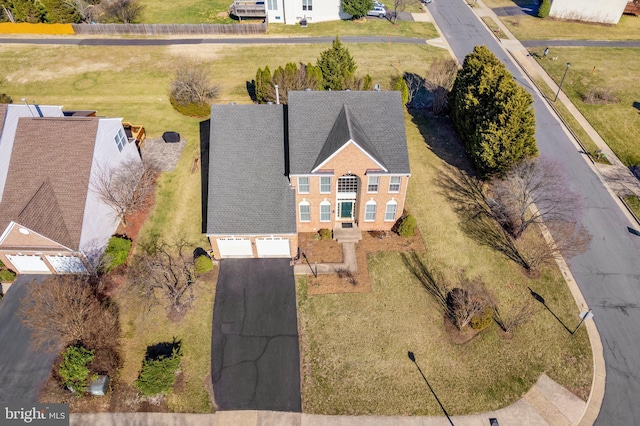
(234, 247)
(273, 247)
(29, 264)
(67, 264)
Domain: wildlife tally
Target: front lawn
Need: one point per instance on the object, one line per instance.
(604, 68)
(365, 27)
(355, 345)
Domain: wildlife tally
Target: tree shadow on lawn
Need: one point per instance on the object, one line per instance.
(443, 140)
(466, 195)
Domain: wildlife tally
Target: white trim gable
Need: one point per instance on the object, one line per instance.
(13, 224)
(337, 151)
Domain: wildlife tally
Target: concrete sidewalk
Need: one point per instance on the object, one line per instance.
(546, 404)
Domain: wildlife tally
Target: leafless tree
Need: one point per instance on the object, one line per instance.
(568, 239)
(466, 300)
(439, 81)
(398, 6)
(125, 11)
(164, 268)
(66, 309)
(125, 188)
(533, 191)
(516, 316)
(192, 84)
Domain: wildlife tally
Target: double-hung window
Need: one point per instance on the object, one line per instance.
(303, 184)
(394, 184)
(390, 213)
(374, 183)
(325, 211)
(305, 211)
(370, 211)
(325, 184)
(272, 4)
(307, 5)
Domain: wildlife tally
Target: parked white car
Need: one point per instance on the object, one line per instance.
(378, 11)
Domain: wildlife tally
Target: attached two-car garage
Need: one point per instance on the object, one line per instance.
(243, 247)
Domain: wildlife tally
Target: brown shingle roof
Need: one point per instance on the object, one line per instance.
(48, 176)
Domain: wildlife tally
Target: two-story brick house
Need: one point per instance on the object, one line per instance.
(326, 160)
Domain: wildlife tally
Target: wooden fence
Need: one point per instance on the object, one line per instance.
(170, 29)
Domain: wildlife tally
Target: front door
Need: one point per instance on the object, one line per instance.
(346, 209)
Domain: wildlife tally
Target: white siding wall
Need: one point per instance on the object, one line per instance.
(276, 16)
(14, 112)
(323, 10)
(603, 11)
(100, 221)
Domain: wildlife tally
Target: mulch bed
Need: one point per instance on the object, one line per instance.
(372, 242)
(321, 251)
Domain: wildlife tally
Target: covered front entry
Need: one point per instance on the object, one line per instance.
(345, 209)
(273, 247)
(234, 247)
(347, 192)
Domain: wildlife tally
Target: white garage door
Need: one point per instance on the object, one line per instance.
(29, 264)
(273, 247)
(234, 247)
(67, 264)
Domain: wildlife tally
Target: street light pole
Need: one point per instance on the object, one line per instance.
(413, 359)
(562, 81)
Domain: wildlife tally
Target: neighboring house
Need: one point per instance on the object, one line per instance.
(605, 12)
(326, 160)
(50, 220)
(290, 11)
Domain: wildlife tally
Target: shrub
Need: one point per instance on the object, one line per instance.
(407, 226)
(596, 95)
(199, 110)
(483, 319)
(159, 374)
(544, 9)
(203, 264)
(192, 88)
(5, 99)
(7, 276)
(74, 371)
(325, 234)
(401, 86)
(115, 254)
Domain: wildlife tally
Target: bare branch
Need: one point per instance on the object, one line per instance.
(192, 84)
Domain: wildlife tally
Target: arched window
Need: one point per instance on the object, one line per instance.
(390, 212)
(370, 211)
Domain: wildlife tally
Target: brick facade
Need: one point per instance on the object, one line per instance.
(349, 161)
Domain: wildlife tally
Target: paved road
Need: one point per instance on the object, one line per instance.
(255, 355)
(609, 273)
(22, 370)
(221, 40)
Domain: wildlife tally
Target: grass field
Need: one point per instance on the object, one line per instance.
(527, 27)
(132, 83)
(368, 26)
(614, 68)
(356, 345)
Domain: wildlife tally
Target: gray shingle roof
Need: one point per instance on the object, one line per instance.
(248, 190)
(346, 128)
(380, 116)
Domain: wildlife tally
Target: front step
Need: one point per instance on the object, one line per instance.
(347, 235)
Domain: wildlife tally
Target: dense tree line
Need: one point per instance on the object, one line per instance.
(70, 11)
(334, 70)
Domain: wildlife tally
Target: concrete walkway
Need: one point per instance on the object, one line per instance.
(348, 263)
(546, 404)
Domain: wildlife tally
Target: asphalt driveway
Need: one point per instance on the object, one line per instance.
(22, 370)
(255, 357)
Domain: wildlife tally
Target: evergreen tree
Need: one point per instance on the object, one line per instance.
(544, 9)
(401, 86)
(357, 8)
(258, 87)
(337, 67)
(492, 114)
